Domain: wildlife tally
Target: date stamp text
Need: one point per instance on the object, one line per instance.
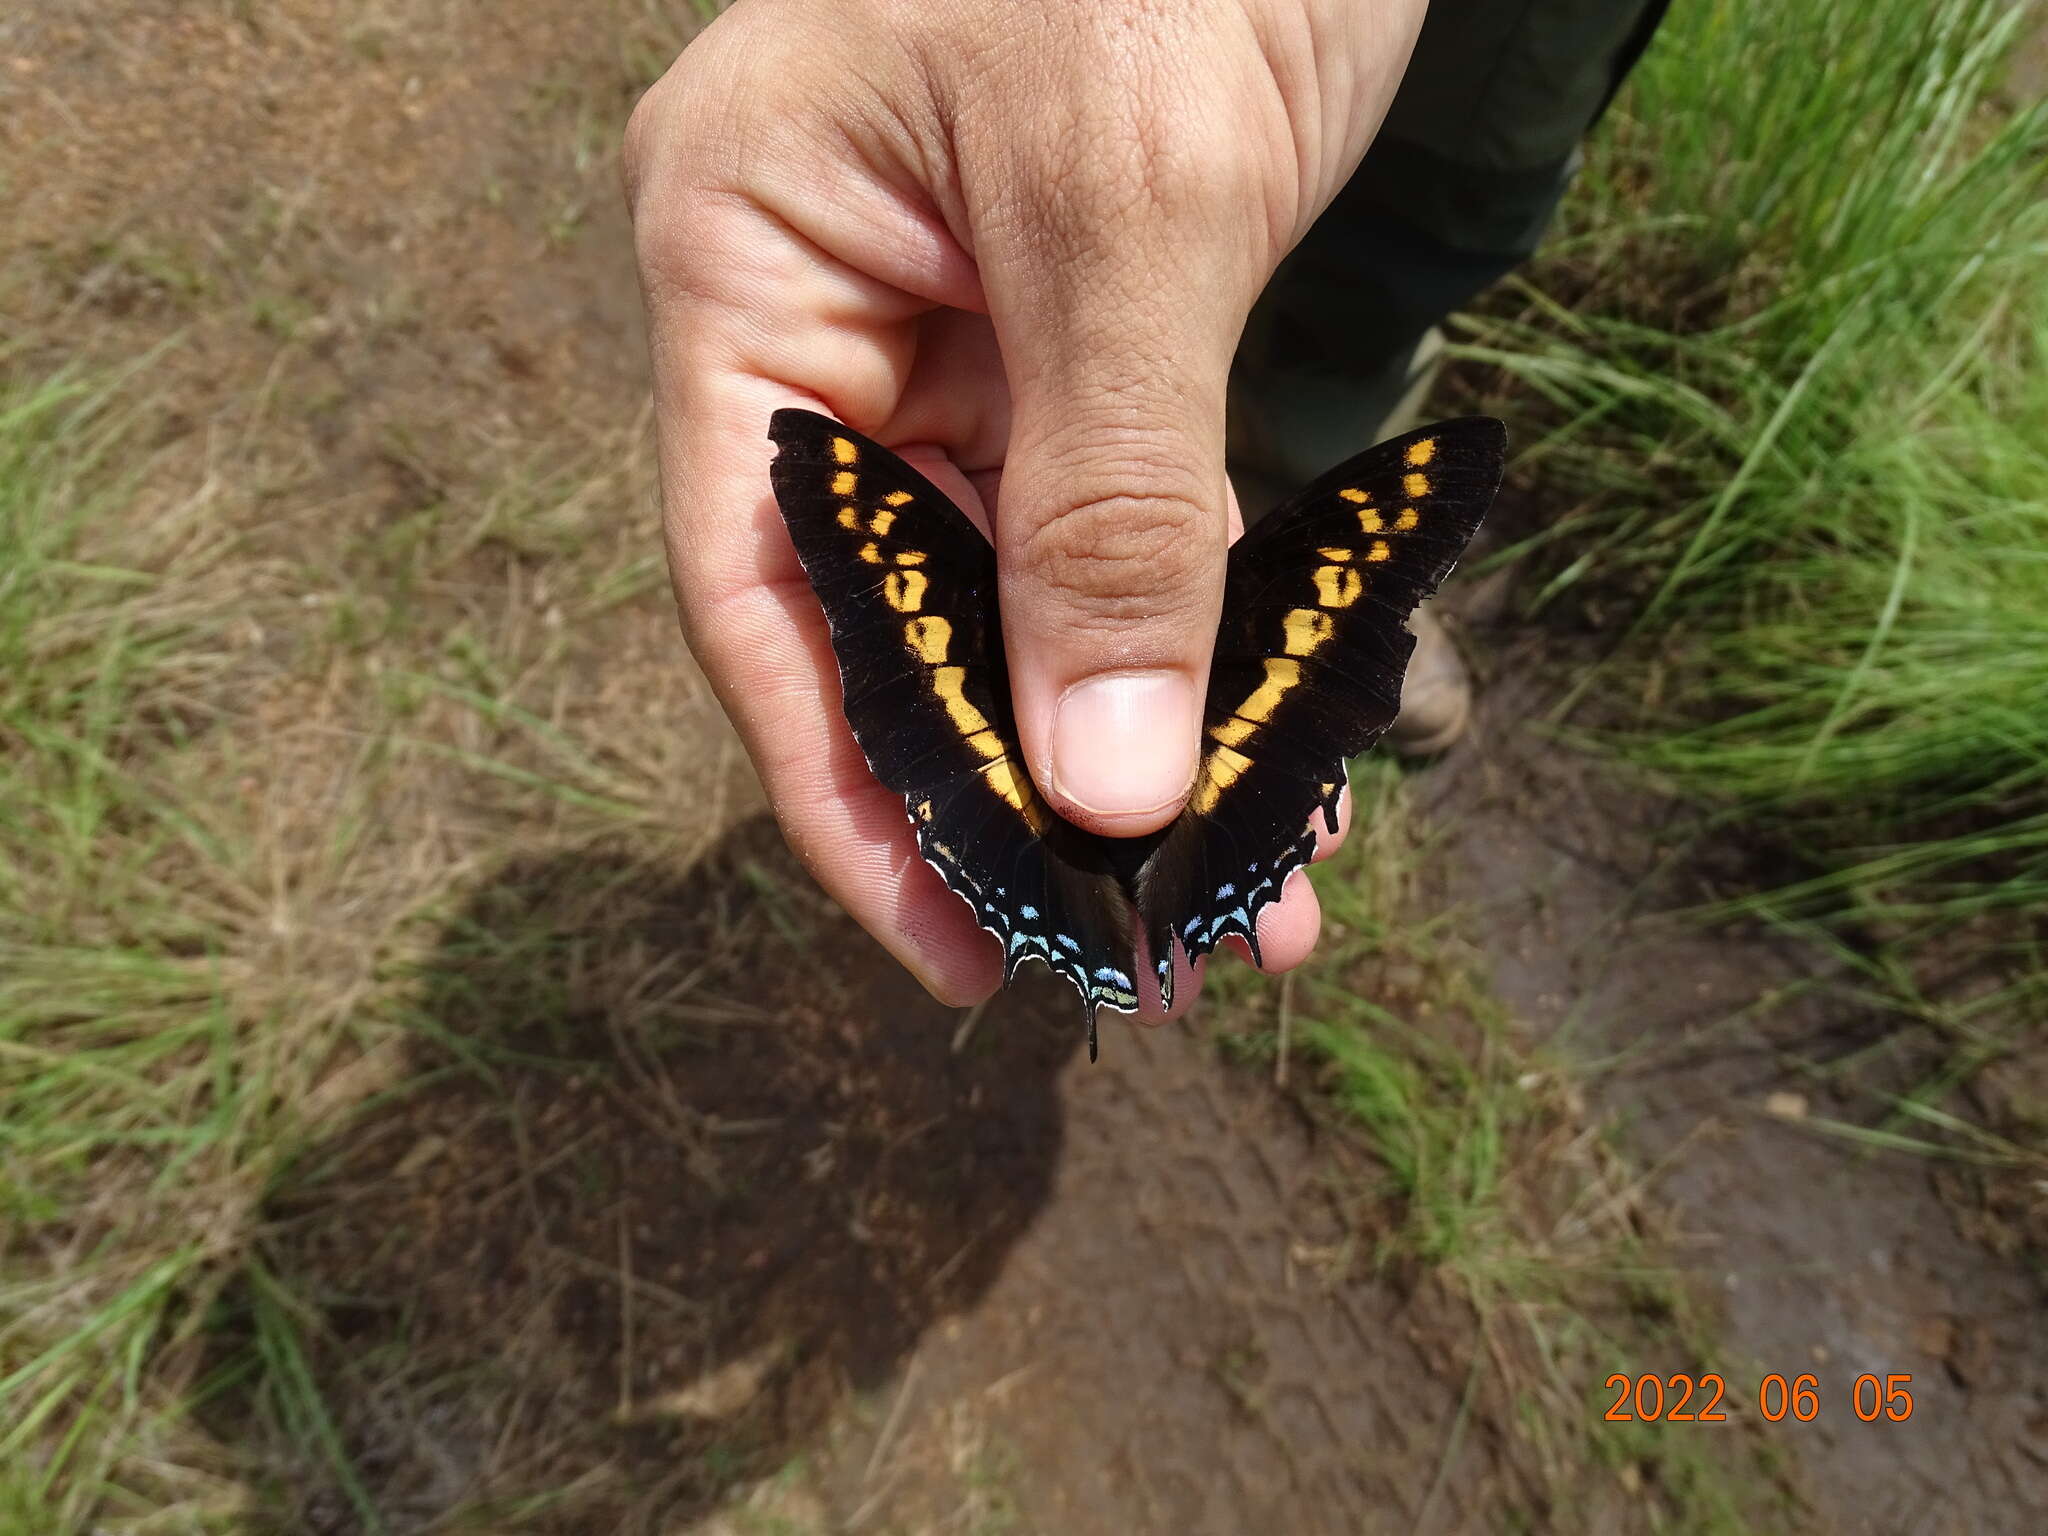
(1681, 1399)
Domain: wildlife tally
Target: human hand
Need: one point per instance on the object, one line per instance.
(1017, 242)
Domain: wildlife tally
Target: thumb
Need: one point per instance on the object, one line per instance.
(1117, 313)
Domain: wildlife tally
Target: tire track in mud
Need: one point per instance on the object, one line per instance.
(1178, 1343)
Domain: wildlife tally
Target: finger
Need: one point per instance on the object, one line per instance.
(1117, 290)
(1288, 929)
(1187, 986)
(1328, 842)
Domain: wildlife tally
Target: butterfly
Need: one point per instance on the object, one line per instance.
(1309, 659)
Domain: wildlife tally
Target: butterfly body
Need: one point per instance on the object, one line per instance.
(1307, 673)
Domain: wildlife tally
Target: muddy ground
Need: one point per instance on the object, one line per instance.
(1705, 1051)
(695, 1215)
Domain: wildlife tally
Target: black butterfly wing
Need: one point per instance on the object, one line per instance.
(1308, 669)
(908, 586)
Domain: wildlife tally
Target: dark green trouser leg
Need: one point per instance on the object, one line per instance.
(1476, 151)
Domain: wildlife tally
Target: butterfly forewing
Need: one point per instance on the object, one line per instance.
(1309, 660)
(908, 586)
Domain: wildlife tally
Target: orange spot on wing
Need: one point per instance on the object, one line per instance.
(1307, 628)
(930, 637)
(904, 590)
(1337, 586)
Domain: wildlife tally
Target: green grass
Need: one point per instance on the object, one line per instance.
(118, 1065)
(1799, 392)
(205, 919)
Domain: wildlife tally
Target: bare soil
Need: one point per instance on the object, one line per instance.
(1714, 1056)
(677, 1207)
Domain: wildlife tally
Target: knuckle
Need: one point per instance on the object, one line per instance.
(1193, 168)
(686, 234)
(669, 266)
(1130, 134)
(649, 135)
(1133, 170)
(654, 164)
(1113, 556)
(635, 149)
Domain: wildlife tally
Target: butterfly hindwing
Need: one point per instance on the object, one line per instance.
(1309, 661)
(908, 586)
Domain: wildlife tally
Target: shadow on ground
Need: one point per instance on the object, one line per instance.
(679, 1162)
